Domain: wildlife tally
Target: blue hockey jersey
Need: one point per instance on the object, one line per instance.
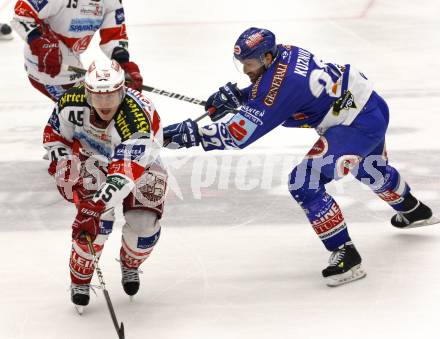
(297, 90)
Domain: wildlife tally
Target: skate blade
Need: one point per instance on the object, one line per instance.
(427, 222)
(79, 309)
(131, 298)
(355, 273)
(6, 37)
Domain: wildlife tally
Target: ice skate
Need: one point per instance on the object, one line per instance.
(130, 280)
(5, 32)
(420, 215)
(80, 296)
(344, 266)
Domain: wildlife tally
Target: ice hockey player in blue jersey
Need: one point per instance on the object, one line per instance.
(292, 87)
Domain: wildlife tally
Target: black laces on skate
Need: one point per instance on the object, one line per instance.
(130, 274)
(336, 257)
(83, 289)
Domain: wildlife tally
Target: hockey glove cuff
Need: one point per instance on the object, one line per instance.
(87, 220)
(184, 134)
(226, 100)
(46, 48)
(133, 75)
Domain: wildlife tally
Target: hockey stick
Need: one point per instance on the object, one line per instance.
(119, 330)
(181, 97)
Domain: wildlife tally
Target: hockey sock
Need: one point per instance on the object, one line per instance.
(327, 220)
(81, 262)
(394, 191)
(136, 249)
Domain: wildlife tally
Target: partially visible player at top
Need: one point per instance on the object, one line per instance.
(103, 141)
(293, 88)
(56, 32)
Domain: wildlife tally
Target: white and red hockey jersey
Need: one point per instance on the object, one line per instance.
(74, 22)
(125, 147)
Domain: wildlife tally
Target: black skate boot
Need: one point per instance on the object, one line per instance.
(344, 266)
(80, 296)
(130, 280)
(5, 32)
(416, 214)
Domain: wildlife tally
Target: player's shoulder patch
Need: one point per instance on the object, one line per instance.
(132, 117)
(74, 96)
(38, 5)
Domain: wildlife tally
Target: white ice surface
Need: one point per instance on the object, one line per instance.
(253, 269)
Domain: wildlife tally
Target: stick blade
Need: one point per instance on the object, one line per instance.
(121, 332)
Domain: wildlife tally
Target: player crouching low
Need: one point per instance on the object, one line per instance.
(103, 141)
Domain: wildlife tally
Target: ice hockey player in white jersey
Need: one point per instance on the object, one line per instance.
(103, 141)
(56, 32)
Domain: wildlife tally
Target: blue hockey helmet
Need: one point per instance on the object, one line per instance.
(254, 43)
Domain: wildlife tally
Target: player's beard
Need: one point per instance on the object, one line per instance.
(253, 76)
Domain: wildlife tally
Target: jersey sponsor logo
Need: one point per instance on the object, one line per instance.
(96, 133)
(117, 181)
(147, 242)
(346, 101)
(254, 90)
(302, 62)
(119, 16)
(132, 152)
(131, 119)
(81, 45)
(286, 56)
(241, 128)
(54, 121)
(330, 220)
(346, 163)
(38, 5)
(105, 227)
(253, 114)
(390, 197)
(84, 24)
(55, 90)
(99, 146)
(93, 9)
(278, 77)
(299, 116)
(74, 98)
(75, 76)
(319, 149)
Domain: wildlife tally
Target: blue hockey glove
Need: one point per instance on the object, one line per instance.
(185, 134)
(226, 100)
